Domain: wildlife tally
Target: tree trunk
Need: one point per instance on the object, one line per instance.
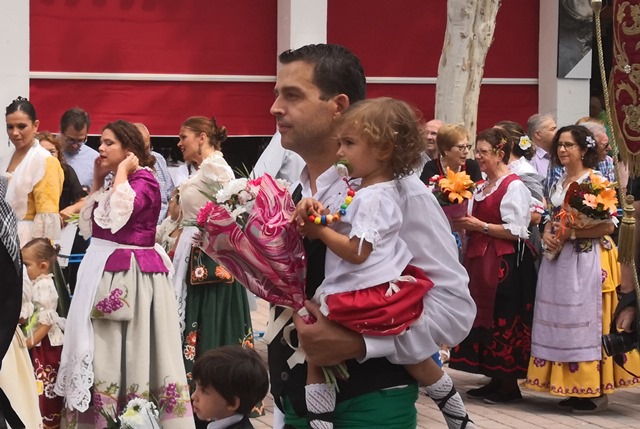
(470, 27)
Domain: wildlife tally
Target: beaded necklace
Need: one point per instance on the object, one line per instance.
(331, 218)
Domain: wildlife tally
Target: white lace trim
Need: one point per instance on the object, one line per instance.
(46, 225)
(27, 174)
(74, 382)
(85, 226)
(480, 196)
(114, 207)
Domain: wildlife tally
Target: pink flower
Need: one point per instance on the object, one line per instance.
(204, 213)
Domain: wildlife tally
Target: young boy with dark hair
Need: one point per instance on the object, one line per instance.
(230, 380)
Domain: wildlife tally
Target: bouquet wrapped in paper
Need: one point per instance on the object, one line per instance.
(453, 191)
(586, 205)
(246, 229)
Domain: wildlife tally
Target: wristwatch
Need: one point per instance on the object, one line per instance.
(485, 228)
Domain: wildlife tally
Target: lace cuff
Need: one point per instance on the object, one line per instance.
(114, 207)
(47, 317)
(75, 379)
(46, 225)
(517, 230)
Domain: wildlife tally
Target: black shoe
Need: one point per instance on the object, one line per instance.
(590, 405)
(503, 397)
(568, 402)
(483, 391)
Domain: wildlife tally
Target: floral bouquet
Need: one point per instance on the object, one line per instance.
(585, 205)
(138, 414)
(453, 191)
(246, 229)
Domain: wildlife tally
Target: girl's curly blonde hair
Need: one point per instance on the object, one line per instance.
(387, 121)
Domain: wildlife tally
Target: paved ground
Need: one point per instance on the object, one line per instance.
(535, 411)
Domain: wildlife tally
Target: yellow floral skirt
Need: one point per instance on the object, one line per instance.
(594, 378)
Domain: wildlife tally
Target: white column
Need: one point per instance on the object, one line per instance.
(14, 51)
(301, 23)
(566, 99)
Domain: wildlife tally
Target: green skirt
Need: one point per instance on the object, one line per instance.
(216, 315)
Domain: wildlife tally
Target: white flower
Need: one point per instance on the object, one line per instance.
(627, 68)
(591, 143)
(230, 189)
(140, 414)
(284, 184)
(237, 212)
(245, 196)
(525, 142)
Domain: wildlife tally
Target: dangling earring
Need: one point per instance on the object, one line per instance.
(582, 157)
(199, 150)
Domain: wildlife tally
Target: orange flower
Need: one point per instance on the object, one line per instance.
(608, 200)
(221, 273)
(598, 182)
(457, 185)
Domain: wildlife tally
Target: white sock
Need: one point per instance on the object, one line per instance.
(453, 410)
(321, 398)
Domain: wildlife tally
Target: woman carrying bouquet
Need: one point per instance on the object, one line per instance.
(122, 338)
(576, 290)
(502, 274)
(213, 307)
(453, 146)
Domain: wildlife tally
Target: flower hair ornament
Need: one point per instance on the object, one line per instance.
(525, 142)
(591, 143)
(500, 146)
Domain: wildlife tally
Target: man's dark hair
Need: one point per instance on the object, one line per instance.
(335, 69)
(76, 118)
(235, 372)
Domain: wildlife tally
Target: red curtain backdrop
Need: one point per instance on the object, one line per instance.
(399, 39)
(404, 39)
(153, 36)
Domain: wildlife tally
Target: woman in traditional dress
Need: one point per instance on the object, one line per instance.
(522, 152)
(35, 176)
(502, 275)
(453, 146)
(213, 306)
(576, 295)
(122, 337)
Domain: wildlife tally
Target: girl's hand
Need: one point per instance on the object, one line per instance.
(310, 229)
(305, 208)
(562, 232)
(129, 164)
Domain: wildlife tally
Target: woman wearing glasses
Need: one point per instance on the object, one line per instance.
(576, 294)
(502, 275)
(453, 146)
(36, 177)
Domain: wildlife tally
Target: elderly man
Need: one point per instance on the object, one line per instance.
(541, 128)
(429, 131)
(160, 171)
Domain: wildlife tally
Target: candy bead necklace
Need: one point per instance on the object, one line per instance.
(331, 218)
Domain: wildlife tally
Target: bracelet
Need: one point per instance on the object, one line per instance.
(485, 228)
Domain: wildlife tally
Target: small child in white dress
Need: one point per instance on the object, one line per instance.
(369, 285)
(44, 329)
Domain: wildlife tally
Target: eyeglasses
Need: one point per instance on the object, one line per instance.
(567, 146)
(78, 142)
(483, 152)
(463, 147)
